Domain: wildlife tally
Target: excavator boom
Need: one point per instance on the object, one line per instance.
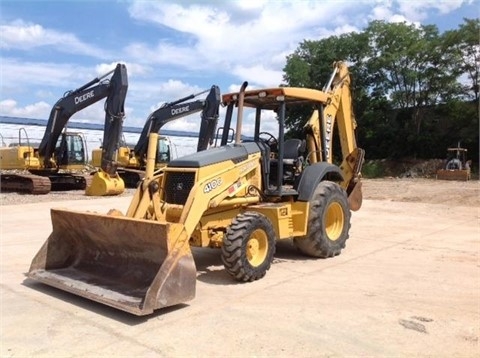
(106, 180)
(178, 109)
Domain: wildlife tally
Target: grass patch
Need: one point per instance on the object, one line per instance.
(373, 169)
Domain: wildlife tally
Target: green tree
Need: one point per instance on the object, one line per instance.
(464, 45)
(406, 85)
(311, 65)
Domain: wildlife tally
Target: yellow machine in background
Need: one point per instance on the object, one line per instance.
(238, 198)
(131, 160)
(457, 166)
(56, 162)
(129, 167)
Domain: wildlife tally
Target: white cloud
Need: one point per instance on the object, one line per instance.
(16, 73)
(251, 4)
(62, 76)
(258, 74)
(185, 124)
(218, 40)
(9, 107)
(21, 35)
(231, 41)
(164, 53)
(133, 69)
(382, 11)
(412, 11)
(418, 10)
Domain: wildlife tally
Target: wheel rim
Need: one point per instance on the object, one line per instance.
(334, 221)
(257, 247)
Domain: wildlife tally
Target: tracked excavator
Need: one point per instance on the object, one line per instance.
(132, 161)
(60, 156)
(239, 198)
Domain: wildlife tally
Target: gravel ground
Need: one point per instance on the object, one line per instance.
(17, 198)
(407, 285)
(394, 189)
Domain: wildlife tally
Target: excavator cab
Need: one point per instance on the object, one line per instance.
(71, 151)
(164, 151)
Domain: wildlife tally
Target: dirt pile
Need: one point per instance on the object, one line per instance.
(421, 190)
(405, 168)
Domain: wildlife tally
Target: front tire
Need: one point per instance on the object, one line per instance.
(328, 222)
(248, 246)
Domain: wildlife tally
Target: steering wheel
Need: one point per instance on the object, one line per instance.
(270, 140)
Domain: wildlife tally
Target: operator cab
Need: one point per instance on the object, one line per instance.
(70, 150)
(163, 150)
(282, 159)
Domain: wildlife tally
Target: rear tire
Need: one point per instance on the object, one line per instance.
(248, 246)
(328, 222)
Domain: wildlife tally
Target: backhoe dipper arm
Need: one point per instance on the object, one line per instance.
(114, 114)
(177, 109)
(336, 110)
(65, 108)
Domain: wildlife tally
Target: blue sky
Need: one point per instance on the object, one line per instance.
(175, 48)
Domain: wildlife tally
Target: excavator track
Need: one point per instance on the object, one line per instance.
(69, 181)
(25, 183)
(131, 177)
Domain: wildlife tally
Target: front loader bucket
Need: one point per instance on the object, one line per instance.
(134, 265)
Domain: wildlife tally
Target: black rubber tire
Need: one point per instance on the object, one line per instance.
(328, 222)
(248, 246)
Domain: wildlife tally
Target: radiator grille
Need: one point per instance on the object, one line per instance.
(178, 186)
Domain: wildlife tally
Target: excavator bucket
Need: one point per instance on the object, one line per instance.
(134, 265)
(103, 184)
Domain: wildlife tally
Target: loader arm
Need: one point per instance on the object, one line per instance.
(206, 193)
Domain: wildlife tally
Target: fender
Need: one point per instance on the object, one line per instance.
(314, 174)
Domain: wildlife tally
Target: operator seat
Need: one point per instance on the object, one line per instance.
(293, 150)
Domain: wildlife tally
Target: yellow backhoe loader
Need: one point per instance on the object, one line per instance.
(239, 198)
